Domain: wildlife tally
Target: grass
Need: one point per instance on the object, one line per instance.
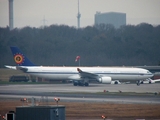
(12, 83)
(5, 73)
(82, 110)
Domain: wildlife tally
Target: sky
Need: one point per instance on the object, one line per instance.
(33, 13)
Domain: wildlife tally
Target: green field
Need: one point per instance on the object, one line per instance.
(5, 73)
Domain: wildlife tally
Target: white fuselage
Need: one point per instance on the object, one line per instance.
(66, 73)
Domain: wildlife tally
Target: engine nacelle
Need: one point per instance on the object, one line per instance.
(105, 80)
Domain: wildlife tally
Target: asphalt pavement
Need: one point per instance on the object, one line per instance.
(124, 93)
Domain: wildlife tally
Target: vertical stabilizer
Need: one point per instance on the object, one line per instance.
(19, 58)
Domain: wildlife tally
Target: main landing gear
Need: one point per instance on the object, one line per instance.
(138, 83)
(80, 83)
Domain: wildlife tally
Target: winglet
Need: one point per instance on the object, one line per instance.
(19, 58)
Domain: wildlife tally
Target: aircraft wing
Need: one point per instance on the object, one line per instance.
(149, 80)
(156, 80)
(87, 74)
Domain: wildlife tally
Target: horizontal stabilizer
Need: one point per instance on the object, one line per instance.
(11, 67)
(24, 69)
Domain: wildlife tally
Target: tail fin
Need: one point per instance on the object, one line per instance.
(20, 58)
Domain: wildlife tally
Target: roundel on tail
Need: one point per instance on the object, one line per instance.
(18, 58)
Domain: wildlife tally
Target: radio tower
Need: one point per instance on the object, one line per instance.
(78, 17)
(10, 14)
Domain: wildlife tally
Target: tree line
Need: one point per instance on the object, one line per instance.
(99, 45)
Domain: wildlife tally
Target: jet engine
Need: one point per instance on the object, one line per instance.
(105, 80)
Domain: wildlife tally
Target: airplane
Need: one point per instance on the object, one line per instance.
(81, 76)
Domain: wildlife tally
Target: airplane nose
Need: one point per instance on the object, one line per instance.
(151, 74)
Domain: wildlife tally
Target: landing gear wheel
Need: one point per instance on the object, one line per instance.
(75, 83)
(138, 83)
(115, 82)
(86, 84)
(80, 84)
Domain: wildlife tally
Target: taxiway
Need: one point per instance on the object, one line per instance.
(124, 93)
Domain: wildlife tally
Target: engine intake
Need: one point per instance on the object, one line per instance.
(105, 80)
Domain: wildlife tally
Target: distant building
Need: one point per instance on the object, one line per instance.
(115, 18)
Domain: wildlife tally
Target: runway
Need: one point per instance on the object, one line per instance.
(93, 88)
(124, 93)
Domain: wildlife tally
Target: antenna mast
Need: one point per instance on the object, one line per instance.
(78, 17)
(44, 21)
